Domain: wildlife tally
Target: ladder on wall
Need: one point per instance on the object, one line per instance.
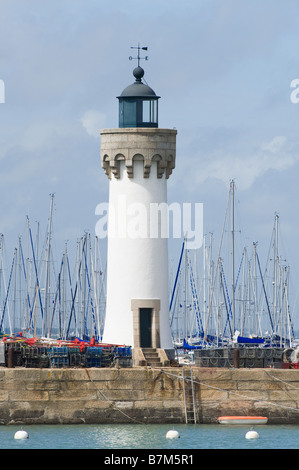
(189, 398)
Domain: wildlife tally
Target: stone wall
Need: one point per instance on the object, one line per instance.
(144, 395)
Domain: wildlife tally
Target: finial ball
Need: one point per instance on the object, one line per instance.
(138, 73)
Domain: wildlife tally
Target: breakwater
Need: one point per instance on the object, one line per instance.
(145, 395)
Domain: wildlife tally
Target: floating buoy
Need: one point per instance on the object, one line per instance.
(21, 435)
(172, 434)
(252, 435)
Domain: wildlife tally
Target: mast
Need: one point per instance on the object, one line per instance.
(14, 299)
(232, 188)
(186, 297)
(275, 268)
(48, 270)
(27, 303)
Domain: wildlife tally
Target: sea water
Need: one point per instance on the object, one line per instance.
(149, 436)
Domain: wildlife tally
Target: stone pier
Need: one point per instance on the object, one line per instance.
(144, 395)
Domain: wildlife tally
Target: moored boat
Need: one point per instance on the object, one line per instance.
(242, 420)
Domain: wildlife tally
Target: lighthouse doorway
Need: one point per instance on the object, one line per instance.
(145, 322)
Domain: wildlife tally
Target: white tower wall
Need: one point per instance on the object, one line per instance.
(138, 162)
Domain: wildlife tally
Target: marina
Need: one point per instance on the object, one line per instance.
(231, 300)
(204, 313)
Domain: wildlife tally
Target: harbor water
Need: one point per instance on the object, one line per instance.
(151, 436)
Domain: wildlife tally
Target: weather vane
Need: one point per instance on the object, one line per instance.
(138, 58)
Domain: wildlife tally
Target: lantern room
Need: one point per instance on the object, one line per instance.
(138, 104)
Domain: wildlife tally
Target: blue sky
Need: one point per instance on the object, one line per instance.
(223, 69)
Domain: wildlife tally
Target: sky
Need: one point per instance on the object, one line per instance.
(223, 69)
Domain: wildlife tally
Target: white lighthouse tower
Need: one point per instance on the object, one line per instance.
(138, 158)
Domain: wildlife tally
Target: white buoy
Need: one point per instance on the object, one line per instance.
(252, 435)
(21, 435)
(172, 434)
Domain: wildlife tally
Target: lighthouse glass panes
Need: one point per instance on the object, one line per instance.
(150, 112)
(138, 112)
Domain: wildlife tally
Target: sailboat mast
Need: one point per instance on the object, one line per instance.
(275, 267)
(48, 270)
(232, 188)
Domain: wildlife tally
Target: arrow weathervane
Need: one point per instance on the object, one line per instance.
(138, 58)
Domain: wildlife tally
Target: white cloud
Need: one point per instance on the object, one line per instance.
(247, 168)
(92, 121)
(275, 144)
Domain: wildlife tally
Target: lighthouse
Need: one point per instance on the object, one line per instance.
(138, 158)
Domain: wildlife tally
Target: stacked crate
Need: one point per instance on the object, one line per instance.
(93, 357)
(20, 354)
(59, 357)
(107, 356)
(35, 357)
(123, 356)
(248, 357)
(17, 353)
(76, 357)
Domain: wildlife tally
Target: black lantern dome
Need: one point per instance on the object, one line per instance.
(138, 104)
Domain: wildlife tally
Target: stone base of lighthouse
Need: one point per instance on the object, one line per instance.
(138, 162)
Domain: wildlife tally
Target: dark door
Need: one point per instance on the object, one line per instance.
(145, 322)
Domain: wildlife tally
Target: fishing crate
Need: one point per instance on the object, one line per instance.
(268, 362)
(93, 351)
(93, 356)
(39, 362)
(242, 363)
(199, 352)
(92, 361)
(107, 356)
(277, 363)
(268, 353)
(77, 360)
(202, 362)
(219, 362)
(260, 353)
(214, 352)
(76, 357)
(123, 352)
(277, 353)
(123, 362)
(59, 351)
(59, 361)
(44, 361)
(228, 353)
(35, 357)
(17, 353)
(254, 363)
(247, 353)
(59, 357)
